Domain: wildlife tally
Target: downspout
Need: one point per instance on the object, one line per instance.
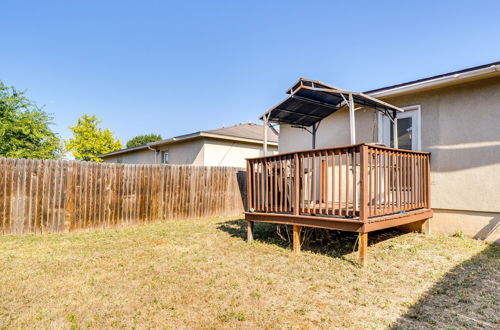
(156, 153)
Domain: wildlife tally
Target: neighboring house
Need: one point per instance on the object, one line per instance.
(226, 146)
(456, 117)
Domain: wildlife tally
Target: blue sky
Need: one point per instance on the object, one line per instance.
(174, 67)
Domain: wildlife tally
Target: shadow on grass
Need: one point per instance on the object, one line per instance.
(467, 297)
(333, 243)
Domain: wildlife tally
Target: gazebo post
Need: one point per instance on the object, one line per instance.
(265, 120)
(314, 130)
(395, 130)
(352, 120)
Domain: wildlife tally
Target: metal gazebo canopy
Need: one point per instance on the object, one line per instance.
(310, 101)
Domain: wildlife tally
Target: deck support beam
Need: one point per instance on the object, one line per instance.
(296, 239)
(249, 231)
(363, 247)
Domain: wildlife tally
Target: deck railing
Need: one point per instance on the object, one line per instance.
(357, 181)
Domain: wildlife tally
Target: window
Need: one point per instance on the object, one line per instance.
(119, 161)
(408, 129)
(165, 158)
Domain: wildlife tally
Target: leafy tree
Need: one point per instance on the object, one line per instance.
(143, 139)
(89, 140)
(25, 128)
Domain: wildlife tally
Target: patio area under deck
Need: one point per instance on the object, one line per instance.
(358, 187)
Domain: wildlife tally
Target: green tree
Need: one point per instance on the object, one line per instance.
(25, 128)
(143, 139)
(89, 140)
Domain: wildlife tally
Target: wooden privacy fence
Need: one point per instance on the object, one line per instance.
(39, 196)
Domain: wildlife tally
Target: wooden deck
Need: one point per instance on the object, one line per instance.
(358, 188)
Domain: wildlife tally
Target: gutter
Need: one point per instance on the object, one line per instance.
(431, 83)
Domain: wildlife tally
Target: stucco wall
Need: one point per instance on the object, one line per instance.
(206, 151)
(461, 129)
(460, 126)
(232, 153)
(333, 131)
(482, 225)
(188, 152)
(136, 157)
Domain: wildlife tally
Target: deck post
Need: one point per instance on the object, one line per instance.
(363, 201)
(296, 239)
(428, 182)
(249, 175)
(296, 185)
(363, 198)
(296, 204)
(363, 247)
(249, 231)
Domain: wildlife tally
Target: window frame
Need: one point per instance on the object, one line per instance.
(163, 154)
(409, 111)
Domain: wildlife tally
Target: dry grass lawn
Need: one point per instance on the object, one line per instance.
(202, 274)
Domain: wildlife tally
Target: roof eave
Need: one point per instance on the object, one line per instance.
(208, 135)
(438, 82)
(124, 151)
(175, 139)
(235, 138)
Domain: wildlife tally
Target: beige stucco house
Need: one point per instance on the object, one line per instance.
(456, 117)
(226, 146)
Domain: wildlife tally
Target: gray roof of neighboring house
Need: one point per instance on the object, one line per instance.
(248, 132)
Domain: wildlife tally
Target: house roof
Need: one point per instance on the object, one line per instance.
(247, 132)
(441, 80)
(310, 101)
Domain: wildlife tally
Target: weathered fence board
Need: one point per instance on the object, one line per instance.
(41, 196)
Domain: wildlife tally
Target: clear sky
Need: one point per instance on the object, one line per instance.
(174, 67)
